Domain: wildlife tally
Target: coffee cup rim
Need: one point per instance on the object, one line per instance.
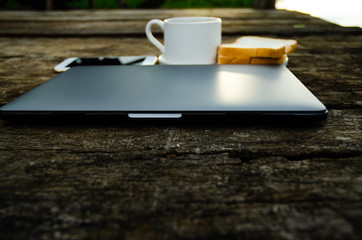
(192, 20)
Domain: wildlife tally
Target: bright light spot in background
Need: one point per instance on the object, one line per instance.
(342, 12)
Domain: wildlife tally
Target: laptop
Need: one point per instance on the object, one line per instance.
(169, 92)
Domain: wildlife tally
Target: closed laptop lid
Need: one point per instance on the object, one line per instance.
(170, 89)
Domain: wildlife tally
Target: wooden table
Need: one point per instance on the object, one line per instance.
(183, 181)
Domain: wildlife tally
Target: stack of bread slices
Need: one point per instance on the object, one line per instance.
(256, 50)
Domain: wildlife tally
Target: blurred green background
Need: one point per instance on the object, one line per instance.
(113, 4)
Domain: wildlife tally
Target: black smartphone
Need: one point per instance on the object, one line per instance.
(98, 61)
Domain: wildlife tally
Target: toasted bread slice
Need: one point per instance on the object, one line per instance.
(232, 60)
(252, 60)
(261, 60)
(250, 46)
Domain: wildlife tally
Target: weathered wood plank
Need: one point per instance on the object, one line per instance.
(134, 15)
(91, 29)
(138, 173)
(85, 23)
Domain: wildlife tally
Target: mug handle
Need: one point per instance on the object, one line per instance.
(150, 36)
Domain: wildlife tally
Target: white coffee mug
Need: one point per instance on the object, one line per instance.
(187, 40)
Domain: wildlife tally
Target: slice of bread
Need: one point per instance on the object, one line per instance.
(261, 60)
(250, 46)
(252, 60)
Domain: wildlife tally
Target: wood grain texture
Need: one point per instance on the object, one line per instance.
(246, 180)
(126, 22)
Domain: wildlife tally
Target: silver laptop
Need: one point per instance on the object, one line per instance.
(169, 92)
